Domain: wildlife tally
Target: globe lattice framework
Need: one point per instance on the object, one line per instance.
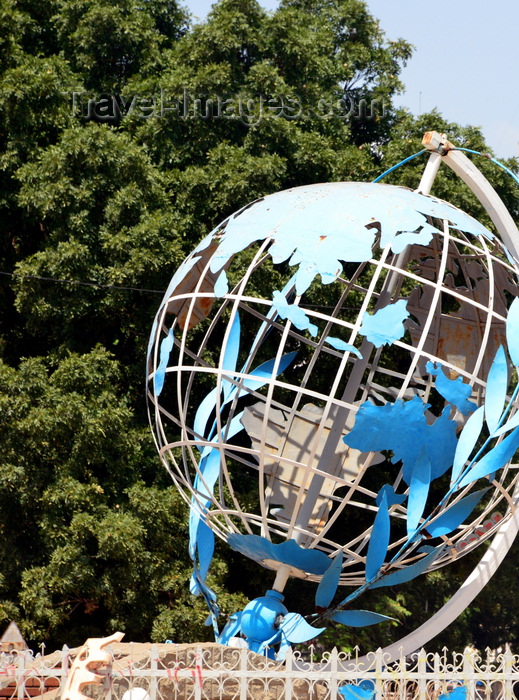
(316, 367)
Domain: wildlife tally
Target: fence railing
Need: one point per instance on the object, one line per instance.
(213, 672)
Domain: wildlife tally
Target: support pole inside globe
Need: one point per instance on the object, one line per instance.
(339, 416)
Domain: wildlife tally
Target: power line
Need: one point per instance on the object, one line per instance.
(82, 284)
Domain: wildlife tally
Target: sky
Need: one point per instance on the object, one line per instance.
(465, 62)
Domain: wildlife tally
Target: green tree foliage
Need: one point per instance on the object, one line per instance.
(107, 43)
(90, 536)
(125, 135)
(104, 214)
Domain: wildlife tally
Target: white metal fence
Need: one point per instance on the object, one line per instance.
(213, 672)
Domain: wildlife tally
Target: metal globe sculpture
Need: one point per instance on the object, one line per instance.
(328, 382)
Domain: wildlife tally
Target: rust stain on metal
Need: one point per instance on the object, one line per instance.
(188, 314)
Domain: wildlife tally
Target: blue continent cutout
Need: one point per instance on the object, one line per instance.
(300, 234)
(402, 428)
(339, 344)
(259, 548)
(453, 390)
(385, 325)
(293, 312)
(317, 227)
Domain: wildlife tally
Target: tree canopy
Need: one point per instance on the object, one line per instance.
(126, 133)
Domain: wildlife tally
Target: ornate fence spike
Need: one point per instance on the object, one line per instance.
(215, 672)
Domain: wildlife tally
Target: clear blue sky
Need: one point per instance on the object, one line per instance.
(466, 60)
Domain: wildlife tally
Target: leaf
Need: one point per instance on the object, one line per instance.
(199, 539)
(282, 650)
(509, 425)
(209, 471)
(229, 389)
(200, 542)
(206, 408)
(495, 393)
(296, 629)
(329, 582)
(203, 412)
(232, 350)
(194, 521)
(209, 466)
(205, 547)
(450, 519)
(379, 540)
(467, 441)
(512, 331)
(229, 360)
(199, 587)
(496, 458)
(165, 349)
(234, 427)
(418, 490)
(231, 628)
(408, 573)
(194, 588)
(265, 372)
(359, 618)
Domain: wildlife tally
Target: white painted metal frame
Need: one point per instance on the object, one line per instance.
(225, 508)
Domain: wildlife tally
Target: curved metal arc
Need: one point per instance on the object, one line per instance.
(471, 587)
(507, 533)
(479, 185)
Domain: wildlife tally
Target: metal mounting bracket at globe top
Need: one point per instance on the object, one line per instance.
(331, 386)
